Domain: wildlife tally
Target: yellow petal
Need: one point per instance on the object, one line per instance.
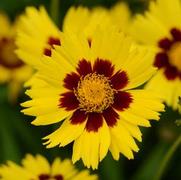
(92, 147)
(65, 134)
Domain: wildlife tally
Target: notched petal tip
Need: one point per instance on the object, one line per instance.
(35, 123)
(23, 104)
(139, 138)
(48, 144)
(23, 111)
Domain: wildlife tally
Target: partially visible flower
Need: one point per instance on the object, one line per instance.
(93, 91)
(83, 20)
(37, 35)
(12, 70)
(38, 168)
(160, 27)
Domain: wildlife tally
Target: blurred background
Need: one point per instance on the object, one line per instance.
(18, 137)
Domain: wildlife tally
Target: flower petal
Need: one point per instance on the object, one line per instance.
(119, 80)
(122, 100)
(91, 146)
(64, 135)
(71, 81)
(103, 67)
(94, 122)
(110, 116)
(78, 117)
(122, 142)
(68, 101)
(84, 67)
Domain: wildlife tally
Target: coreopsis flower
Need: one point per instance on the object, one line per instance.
(92, 90)
(38, 168)
(12, 70)
(36, 28)
(160, 27)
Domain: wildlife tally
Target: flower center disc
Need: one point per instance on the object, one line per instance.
(94, 93)
(175, 55)
(7, 56)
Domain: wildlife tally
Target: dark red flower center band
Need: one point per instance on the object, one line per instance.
(8, 58)
(47, 51)
(51, 42)
(94, 92)
(169, 58)
(48, 177)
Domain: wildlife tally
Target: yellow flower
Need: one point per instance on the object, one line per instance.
(12, 70)
(160, 27)
(77, 20)
(38, 168)
(40, 32)
(91, 89)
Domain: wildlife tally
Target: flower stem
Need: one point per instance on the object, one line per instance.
(54, 10)
(167, 157)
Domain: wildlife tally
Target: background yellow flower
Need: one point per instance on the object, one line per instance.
(38, 168)
(160, 27)
(12, 70)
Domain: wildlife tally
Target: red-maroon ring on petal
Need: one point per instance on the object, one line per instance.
(122, 100)
(103, 67)
(58, 177)
(84, 67)
(44, 177)
(176, 33)
(68, 101)
(110, 116)
(78, 117)
(71, 81)
(54, 41)
(171, 72)
(180, 75)
(13, 65)
(119, 80)
(51, 41)
(165, 43)
(47, 52)
(94, 122)
(161, 60)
